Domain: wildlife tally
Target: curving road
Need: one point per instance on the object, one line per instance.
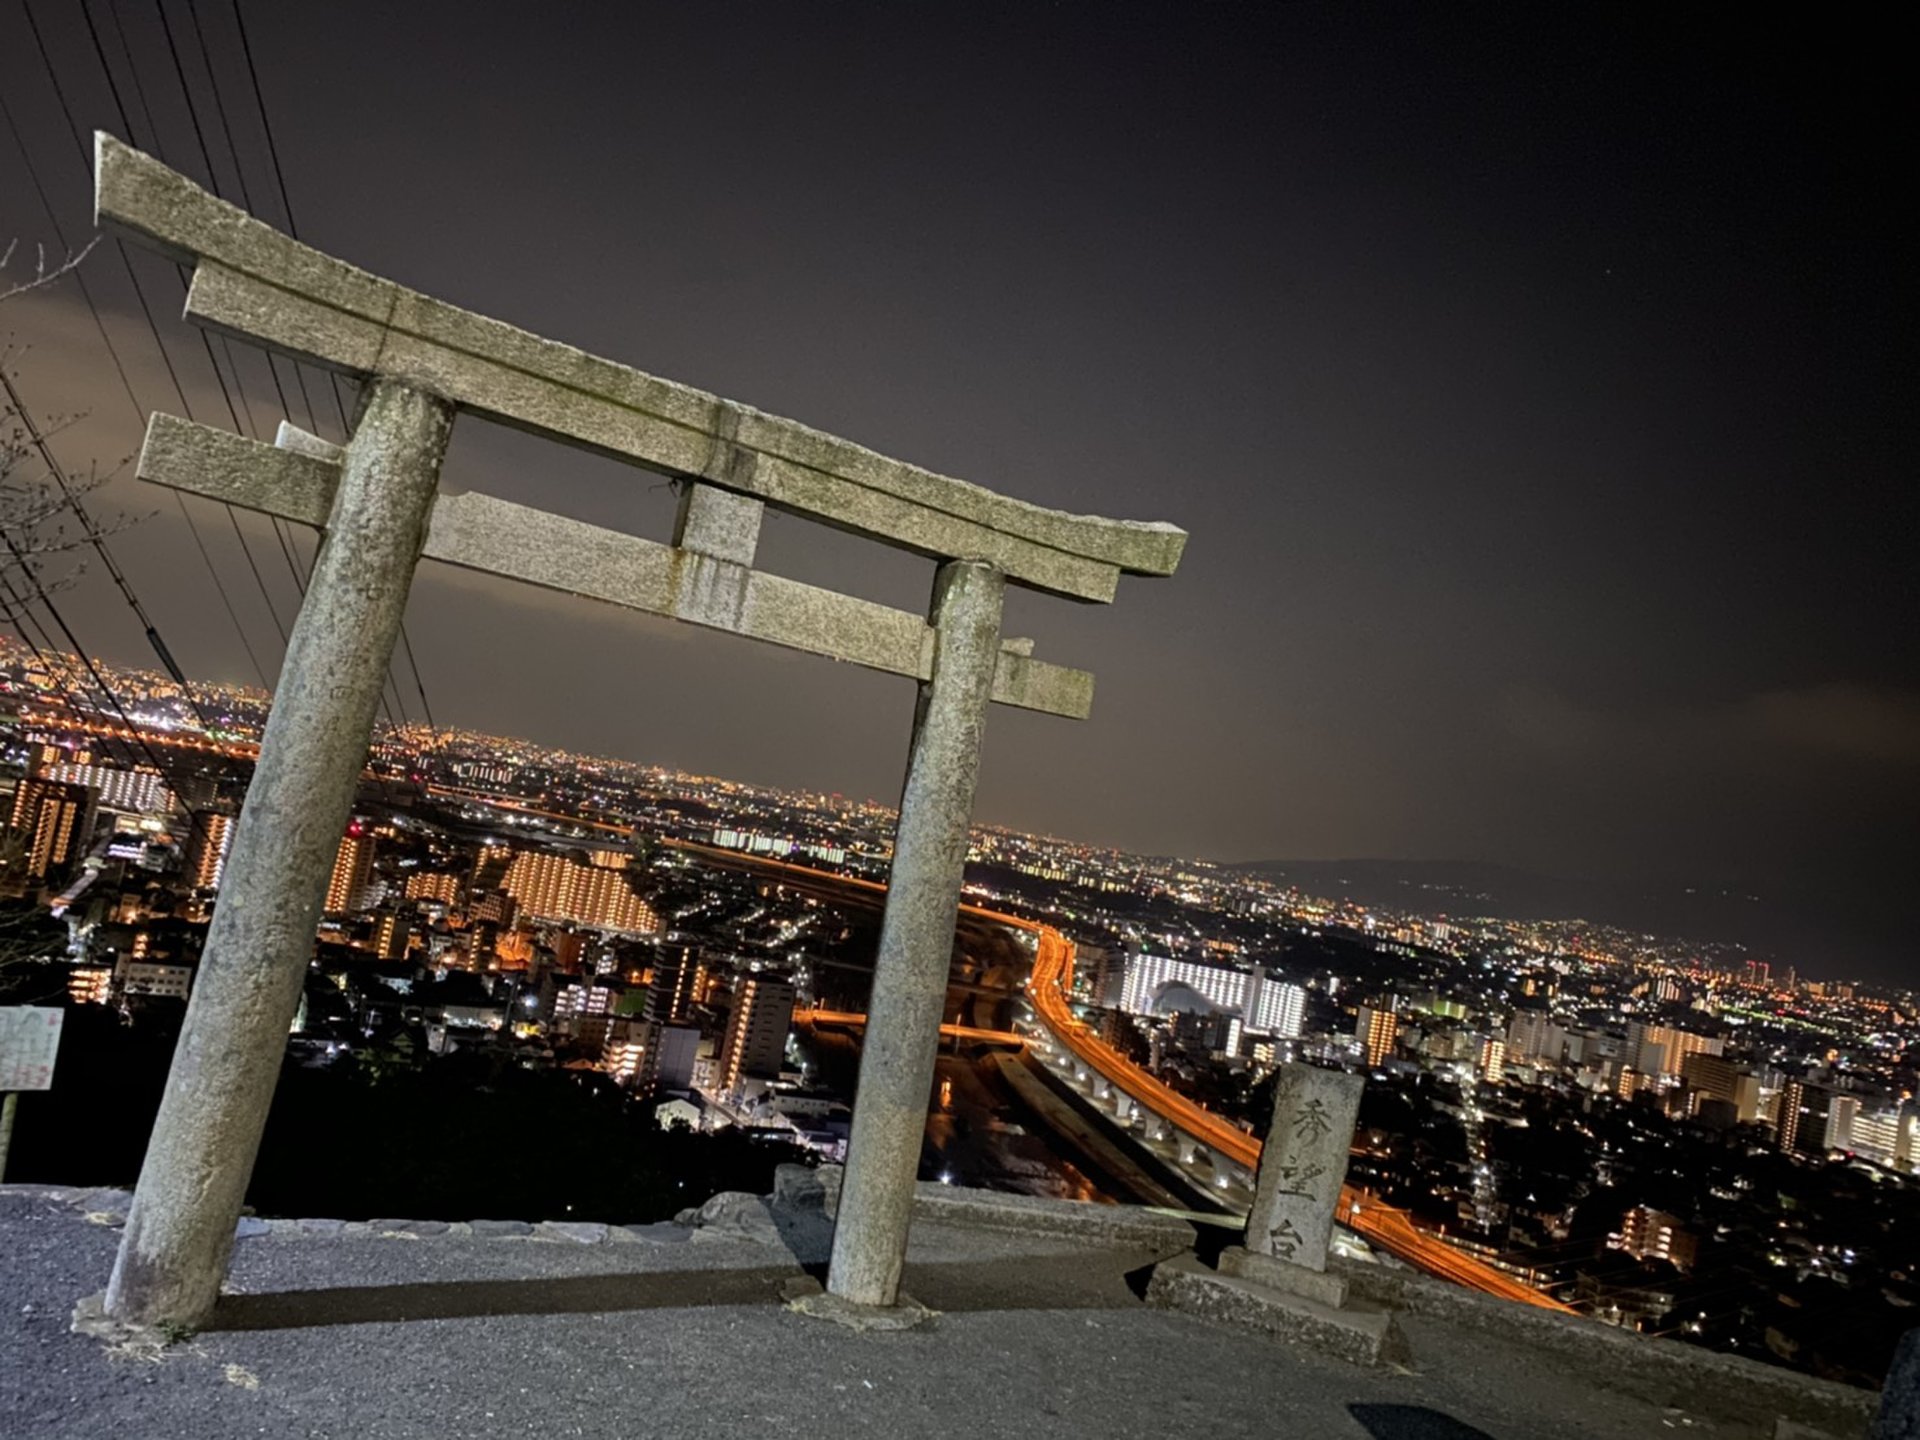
(1385, 1226)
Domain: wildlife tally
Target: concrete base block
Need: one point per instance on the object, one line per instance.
(1360, 1337)
(1277, 1274)
(804, 1296)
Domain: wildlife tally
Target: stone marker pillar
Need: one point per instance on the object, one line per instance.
(180, 1228)
(1303, 1164)
(916, 938)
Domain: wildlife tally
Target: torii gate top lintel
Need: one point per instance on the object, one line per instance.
(253, 281)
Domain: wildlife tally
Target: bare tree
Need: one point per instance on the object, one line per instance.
(41, 511)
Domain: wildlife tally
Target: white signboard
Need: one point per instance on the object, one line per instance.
(29, 1039)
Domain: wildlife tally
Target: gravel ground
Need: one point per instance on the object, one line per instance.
(667, 1331)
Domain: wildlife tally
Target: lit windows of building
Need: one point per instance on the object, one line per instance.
(139, 792)
(207, 849)
(1649, 1234)
(755, 1043)
(352, 863)
(1377, 1030)
(553, 887)
(435, 886)
(90, 984)
(50, 817)
(631, 1052)
(1493, 1060)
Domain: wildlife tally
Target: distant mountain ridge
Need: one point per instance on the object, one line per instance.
(1704, 915)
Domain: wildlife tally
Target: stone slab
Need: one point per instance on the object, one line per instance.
(418, 1229)
(1358, 1336)
(1320, 1286)
(1303, 1163)
(580, 1232)
(253, 281)
(501, 1229)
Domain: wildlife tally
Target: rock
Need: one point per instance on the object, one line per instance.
(733, 1215)
(798, 1187)
(419, 1229)
(1899, 1417)
(251, 1227)
(501, 1229)
(580, 1232)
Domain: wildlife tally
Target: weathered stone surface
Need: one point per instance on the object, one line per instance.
(1303, 1164)
(580, 1232)
(660, 1232)
(180, 1229)
(916, 938)
(733, 1215)
(256, 282)
(801, 1187)
(718, 523)
(501, 1229)
(498, 537)
(1899, 1417)
(804, 1296)
(418, 1229)
(320, 1226)
(251, 1227)
(1360, 1336)
(1321, 1286)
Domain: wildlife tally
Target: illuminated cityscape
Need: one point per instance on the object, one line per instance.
(578, 912)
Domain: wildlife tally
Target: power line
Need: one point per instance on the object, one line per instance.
(140, 295)
(293, 229)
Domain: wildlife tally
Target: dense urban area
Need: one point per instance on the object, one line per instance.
(559, 985)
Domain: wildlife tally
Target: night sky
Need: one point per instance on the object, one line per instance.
(1536, 384)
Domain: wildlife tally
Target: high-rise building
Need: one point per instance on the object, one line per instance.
(211, 839)
(352, 863)
(445, 888)
(1801, 1127)
(51, 818)
(391, 931)
(670, 995)
(1661, 1049)
(756, 1038)
(1649, 1234)
(631, 1051)
(1376, 1030)
(1493, 1059)
(1718, 1078)
(552, 887)
(1532, 1035)
(138, 792)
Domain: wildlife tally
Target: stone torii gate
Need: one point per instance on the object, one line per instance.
(377, 501)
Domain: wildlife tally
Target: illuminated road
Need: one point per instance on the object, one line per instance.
(1384, 1226)
(853, 1019)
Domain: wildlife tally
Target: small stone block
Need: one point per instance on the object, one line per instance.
(1360, 1337)
(1277, 1274)
(501, 1229)
(718, 523)
(320, 1226)
(251, 1227)
(579, 1231)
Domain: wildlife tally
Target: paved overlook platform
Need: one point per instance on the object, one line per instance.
(400, 1329)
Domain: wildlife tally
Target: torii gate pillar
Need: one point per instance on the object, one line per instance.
(916, 937)
(180, 1228)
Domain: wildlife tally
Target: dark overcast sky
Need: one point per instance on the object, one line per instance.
(1536, 383)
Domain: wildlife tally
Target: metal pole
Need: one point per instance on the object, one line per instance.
(916, 938)
(179, 1231)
